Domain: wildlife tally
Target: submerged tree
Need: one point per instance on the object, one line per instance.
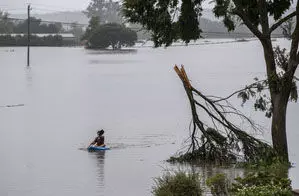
(112, 34)
(172, 20)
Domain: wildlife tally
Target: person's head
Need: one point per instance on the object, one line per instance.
(100, 132)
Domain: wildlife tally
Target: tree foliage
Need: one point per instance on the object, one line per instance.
(173, 19)
(93, 25)
(178, 183)
(258, 90)
(107, 11)
(166, 20)
(112, 34)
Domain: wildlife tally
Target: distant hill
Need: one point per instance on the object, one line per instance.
(67, 17)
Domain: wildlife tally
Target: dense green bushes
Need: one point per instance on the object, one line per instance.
(262, 183)
(218, 184)
(266, 190)
(178, 184)
(258, 180)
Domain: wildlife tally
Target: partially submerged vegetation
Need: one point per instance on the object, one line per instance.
(178, 184)
(258, 180)
(101, 36)
(266, 173)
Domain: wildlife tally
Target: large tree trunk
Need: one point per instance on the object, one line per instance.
(279, 97)
(278, 130)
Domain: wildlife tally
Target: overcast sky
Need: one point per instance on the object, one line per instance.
(59, 5)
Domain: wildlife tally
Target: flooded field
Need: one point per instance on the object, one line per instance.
(135, 96)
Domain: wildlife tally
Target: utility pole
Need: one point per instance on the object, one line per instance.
(28, 36)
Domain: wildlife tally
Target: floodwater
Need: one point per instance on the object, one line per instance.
(136, 97)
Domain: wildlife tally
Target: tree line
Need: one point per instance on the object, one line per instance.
(55, 40)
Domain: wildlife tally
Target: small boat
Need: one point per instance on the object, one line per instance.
(97, 148)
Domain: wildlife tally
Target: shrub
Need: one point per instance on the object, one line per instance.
(267, 190)
(178, 184)
(262, 183)
(218, 185)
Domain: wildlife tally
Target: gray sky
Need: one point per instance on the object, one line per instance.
(19, 6)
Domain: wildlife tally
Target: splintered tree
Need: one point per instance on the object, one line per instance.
(172, 20)
(226, 142)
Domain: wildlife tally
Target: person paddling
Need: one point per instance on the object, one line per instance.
(99, 140)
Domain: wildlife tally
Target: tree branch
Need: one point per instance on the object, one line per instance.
(264, 19)
(253, 85)
(281, 21)
(216, 145)
(247, 22)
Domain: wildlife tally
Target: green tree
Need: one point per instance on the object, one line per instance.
(93, 25)
(114, 35)
(160, 17)
(107, 10)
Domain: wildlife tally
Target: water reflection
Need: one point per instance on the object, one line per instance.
(100, 168)
(29, 76)
(112, 52)
(207, 171)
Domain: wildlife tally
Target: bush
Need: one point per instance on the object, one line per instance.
(267, 190)
(218, 185)
(261, 180)
(262, 183)
(178, 184)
